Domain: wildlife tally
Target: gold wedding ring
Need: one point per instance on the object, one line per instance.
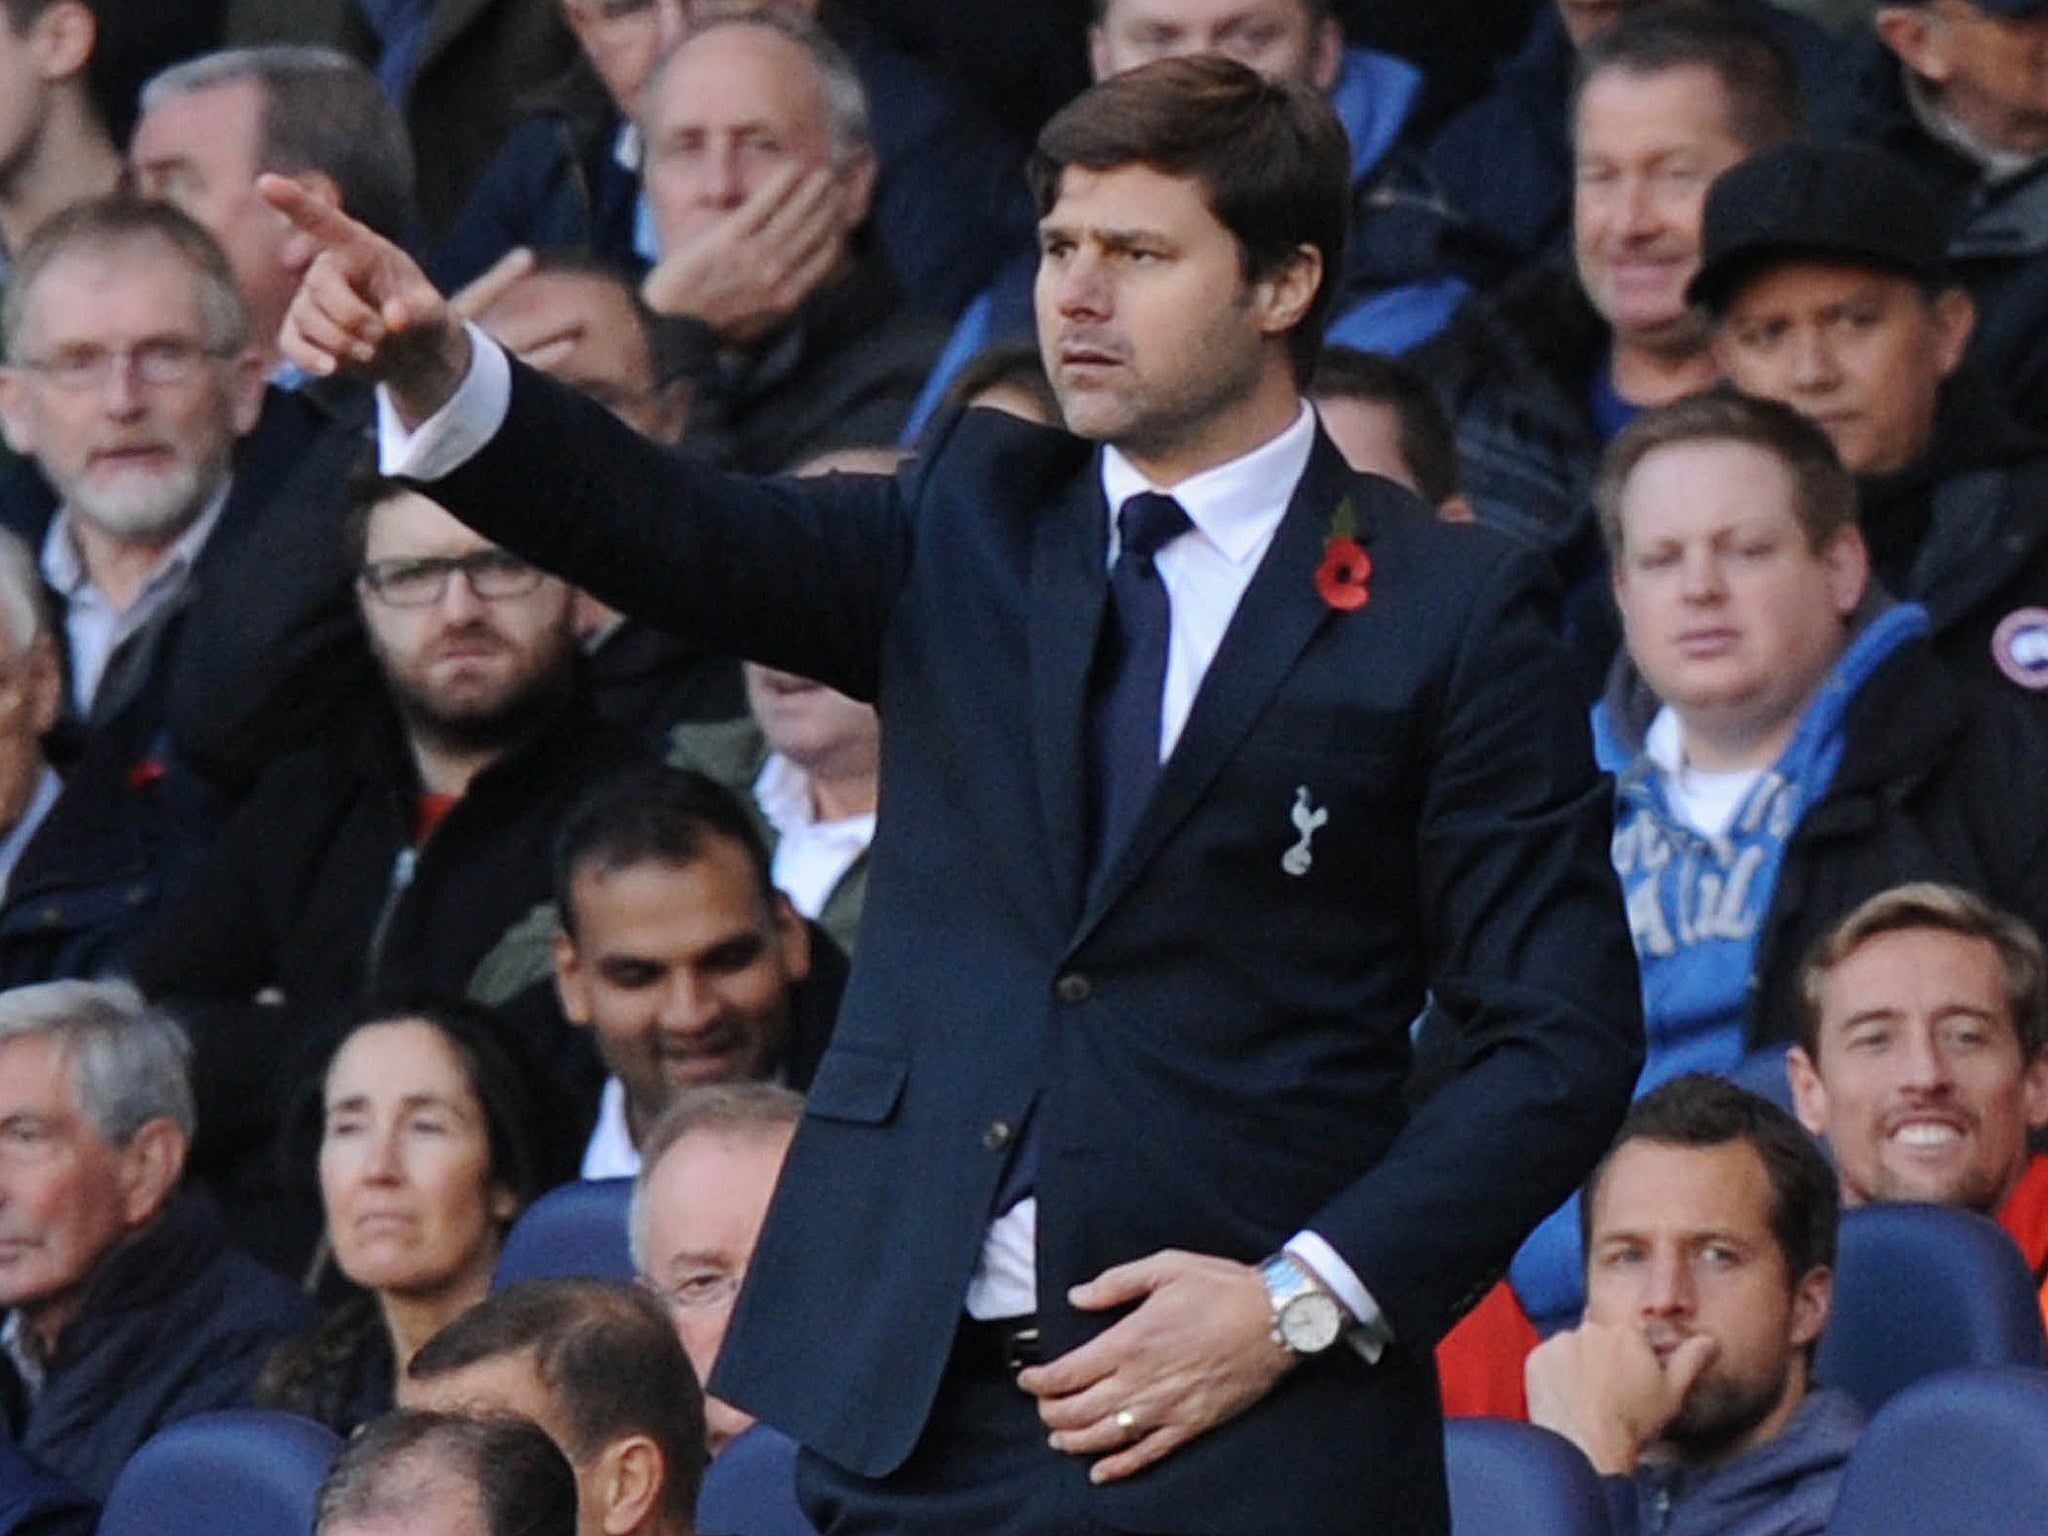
(1127, 1423)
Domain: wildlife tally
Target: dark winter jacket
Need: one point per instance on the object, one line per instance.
(316, 894)
(1963, 531)
(842, 372)
(175, 1321)
(1998, 232)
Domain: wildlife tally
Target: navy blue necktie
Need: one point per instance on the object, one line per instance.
(1131, 673)
(1123, 726)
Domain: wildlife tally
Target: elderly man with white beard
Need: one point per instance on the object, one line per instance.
(129, 378)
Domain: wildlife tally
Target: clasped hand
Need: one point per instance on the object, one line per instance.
(1198, 1349)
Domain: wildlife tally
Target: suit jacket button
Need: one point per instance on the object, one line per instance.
(1073, 988)
(998, 1135)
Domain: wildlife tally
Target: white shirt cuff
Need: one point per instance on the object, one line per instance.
(1369, 1333)
(446, 440)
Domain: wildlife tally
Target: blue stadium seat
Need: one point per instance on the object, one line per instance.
(575, 1232)
(1959, 1451)
(1513, 1479)
(245, 1470)
(1763, 1073)
(1921, 1289)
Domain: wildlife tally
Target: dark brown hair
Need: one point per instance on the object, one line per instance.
(1272, 159)
(608, 1357)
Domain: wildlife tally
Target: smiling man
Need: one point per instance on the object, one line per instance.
(1107, 1191)
(1923, 1021)
(1710, 1250)
(678, 954)
(1543, 372)
(1786, 744)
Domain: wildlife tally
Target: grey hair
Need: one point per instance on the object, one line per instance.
(22, 611)
(322, 111)
(130, 1062)
(724, 1109)
(102, 225)
(847, 121)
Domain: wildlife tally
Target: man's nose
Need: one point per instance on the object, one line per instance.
(1700, 572)
(1668, 1288)
(688, 1004)
(1923, 1064)
(1082, 286)
(1814, 365)
(458, 600)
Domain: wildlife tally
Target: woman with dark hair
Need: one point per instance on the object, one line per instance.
(427, 1154)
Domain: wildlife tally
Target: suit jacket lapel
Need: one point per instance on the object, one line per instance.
(1069, 591)
(1279, 613)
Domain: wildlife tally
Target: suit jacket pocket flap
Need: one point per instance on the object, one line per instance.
(852, 1085)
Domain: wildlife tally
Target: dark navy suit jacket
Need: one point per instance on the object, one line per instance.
(1215, 1048)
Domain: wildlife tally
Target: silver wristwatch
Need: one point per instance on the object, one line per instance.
(1307, 1319)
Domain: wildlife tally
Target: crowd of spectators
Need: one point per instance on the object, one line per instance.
(360, 881)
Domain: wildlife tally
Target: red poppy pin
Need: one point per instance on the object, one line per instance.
(146, 774)
(1341, 578)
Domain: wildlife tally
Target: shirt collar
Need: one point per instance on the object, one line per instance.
(64, 567)
(1235, 506)
(783, 791)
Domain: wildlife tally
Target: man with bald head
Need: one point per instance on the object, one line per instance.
(760, 170)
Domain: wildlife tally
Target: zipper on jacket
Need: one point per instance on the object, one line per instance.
(402, 870)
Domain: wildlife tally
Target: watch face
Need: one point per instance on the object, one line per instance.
(1310, 1324)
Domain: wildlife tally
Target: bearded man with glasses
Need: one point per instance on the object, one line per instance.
(395, 854)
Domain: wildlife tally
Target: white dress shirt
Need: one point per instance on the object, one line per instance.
(610, 1153)
(811, 856)
(1234, 509)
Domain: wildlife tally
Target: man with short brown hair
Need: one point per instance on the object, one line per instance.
(1923, 1023)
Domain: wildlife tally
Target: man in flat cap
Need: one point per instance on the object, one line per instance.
(1825, 270)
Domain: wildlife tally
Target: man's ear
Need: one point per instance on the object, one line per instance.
(1813, 1298)
(15, 420)
(1919, 38)
(631, 1477)
(1098, 54)
(151, 1165)
(793, 938)
(857, 187)
(1327, 55)
(572, 980)
(1847, 559)
(1955, 321)
(2034, 1092)
(1285, 295)
(1809, 1095)
(63, 39)
(245, 385)
(42, 684)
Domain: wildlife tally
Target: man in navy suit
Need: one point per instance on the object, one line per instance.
(1209, 763)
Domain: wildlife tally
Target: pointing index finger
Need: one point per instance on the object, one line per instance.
(314, 215)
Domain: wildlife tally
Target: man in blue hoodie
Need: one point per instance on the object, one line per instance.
(1785, 742)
